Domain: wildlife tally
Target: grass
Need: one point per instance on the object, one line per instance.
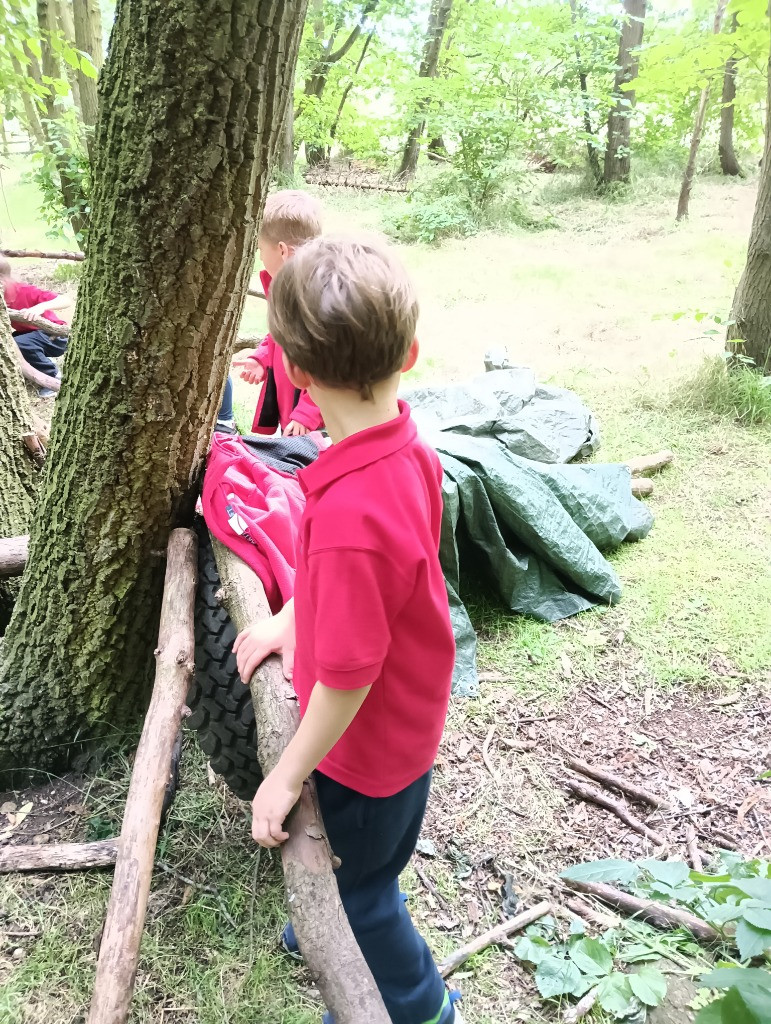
(590, 305)
(740, 392)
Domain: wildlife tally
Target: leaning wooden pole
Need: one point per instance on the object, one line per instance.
(323, 932)
(13, 556)
(119, 952)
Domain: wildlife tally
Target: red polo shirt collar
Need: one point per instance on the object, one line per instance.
(359, 450)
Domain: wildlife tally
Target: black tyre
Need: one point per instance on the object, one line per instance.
(222, 711)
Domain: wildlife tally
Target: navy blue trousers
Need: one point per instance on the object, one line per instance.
(37, 346)
(374, 838)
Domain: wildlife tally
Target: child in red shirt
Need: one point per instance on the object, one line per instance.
(37, 346)
(367, 639)
(291, 218)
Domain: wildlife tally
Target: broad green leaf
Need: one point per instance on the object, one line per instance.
(712, 1013)
(649, 985)
(736, 1011)
(670, 872)
(71, 57)
(33, 45)
(751, 941)
(723, 913)
(700, 876)
(592, 957)
(757, 888)
(87, 68)
(577, 926)
(602, 871)
(533, 950)
(614, 994)
(759, 917)
(752, 983)
(557, 977)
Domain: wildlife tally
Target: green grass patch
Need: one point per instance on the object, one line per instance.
(739, 392)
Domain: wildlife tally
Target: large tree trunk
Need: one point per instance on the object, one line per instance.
(592, 153)
(751, 311)
(617, 153)
(438, 17)
(684, 198)
(728, 162)
(18, 477)
(88, 38)
(58, 146)
(193, 97)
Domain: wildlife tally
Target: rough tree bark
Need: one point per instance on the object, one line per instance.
(88, 38)
(698, 127)
(617, 154)
(729, 165)
(317, 80)
(18, 477)
(193, 96)
(62, 11)
(592, 153)
(438, 17)
(750, 335)
(286, 144)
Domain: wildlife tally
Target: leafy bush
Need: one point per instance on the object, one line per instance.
(430, 217)
(729, 386)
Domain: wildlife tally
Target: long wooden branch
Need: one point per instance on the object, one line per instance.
(13, 556)
(39, 323)
(596, 797)
(40, 254)
(59, 857)
(119, 951)
(258, 293)
(492, 937)
(323, 932)
(609, 778)
(657, 914)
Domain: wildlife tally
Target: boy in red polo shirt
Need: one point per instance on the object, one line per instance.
(290, 219)
(367, 639)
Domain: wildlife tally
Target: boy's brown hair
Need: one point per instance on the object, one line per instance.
(292, 217)
(344, 311)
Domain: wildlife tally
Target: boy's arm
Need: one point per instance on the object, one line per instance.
(254, 366)
(329, 713)
(46, 301)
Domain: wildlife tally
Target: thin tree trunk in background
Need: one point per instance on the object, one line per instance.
(31, 116)
(698, 127)
(592, 152)
(437, 25)
(58, 147)
(346, 91)
(617, 152)
(729, 165)
(183, 163)
(88, 38)
(18, 476)
(66, 25)
(751, 310)
(286, 144)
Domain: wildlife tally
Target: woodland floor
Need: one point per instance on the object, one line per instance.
(670, 688)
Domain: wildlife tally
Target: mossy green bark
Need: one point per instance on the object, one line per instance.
(192, 99)
(18, 477)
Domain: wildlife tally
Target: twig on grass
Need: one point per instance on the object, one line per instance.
(486, 754)
(609, 778)
(697, 862)
(492, 937)
(582, 1007)
(431, 887)
(596, 797)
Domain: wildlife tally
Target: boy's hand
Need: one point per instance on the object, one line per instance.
(272, 636)
(271, 805)
(252, 371)
(295, 429)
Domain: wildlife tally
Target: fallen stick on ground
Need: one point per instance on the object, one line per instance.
(582, 1007)
(39, 323)
(596, 797)
(616, 781)
(654, 913)
(61, 857)
(493, 937)
(324, 935)
(40, 254)
(258, 293)
(588, 913)
(486, 754)
(697, 862)
(119, 951)
(642, 464)
(431, 887)
(13, 556)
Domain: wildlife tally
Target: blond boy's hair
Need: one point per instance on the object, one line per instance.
(292, 217)
(345, 312)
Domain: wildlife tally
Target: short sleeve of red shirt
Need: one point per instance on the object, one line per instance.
(355, 593)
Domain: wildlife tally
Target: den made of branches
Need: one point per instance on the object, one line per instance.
(192, 99)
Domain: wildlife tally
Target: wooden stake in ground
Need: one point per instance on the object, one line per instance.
(657, 914)
(61, 857)
(119, 951)
(323, 932)
(620, 810)
(493, 937)
(13, 556)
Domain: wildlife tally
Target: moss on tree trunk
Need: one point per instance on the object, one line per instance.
(18, 477)
(191, 101)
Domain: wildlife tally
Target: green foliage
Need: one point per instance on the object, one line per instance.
(65, 156)
(730, 387)
(573, 966)
(747, 998)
